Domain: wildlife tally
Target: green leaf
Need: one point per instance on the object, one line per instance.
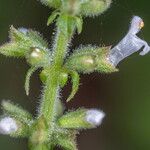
(27, 80)
(52, 17)
(16, 112)
(75, 84)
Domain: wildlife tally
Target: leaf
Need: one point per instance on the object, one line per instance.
(52, 17)
(27, 80)
(75, 84)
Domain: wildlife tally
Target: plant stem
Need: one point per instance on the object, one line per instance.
(48, 108)
(51, 92)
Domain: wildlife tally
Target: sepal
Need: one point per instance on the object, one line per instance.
(26, 43)
(75, 79)
(66, 143)
(52, 17)
(81, 119)
(16, 112)
(90, 59)
(94, 7)
(28, 77)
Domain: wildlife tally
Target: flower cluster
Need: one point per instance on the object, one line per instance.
(53, 126)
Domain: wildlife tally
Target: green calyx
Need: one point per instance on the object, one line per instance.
(63, 76)
(74, 120)
(94, 7)
(37, 57)
(79, 7)
(90, 59)
(26, 43)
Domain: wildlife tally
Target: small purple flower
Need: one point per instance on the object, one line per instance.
(130, 44)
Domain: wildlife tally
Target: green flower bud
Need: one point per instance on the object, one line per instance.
(26, 43)
(36, 56)
(94, 7)
(63, 78)
(39, 131)
(43, 75)
(82, 63)
(81, 119)
(90, 59)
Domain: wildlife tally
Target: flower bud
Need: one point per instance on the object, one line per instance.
(89, 59)
(22, 41)
(82, 119)
(63, 76)
(83, 63)
(36, 56)
(94, 7)
(8, 125)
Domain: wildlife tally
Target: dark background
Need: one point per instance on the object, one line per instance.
(123, 96)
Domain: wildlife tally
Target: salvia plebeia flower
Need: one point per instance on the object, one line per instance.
(130, 44)
(8, 125)
(82, 119)
(95, 117)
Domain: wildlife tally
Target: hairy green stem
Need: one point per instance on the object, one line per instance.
(50, 97)
(60, 47)
(51, 92)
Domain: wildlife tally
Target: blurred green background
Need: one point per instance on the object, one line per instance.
(123, 96)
